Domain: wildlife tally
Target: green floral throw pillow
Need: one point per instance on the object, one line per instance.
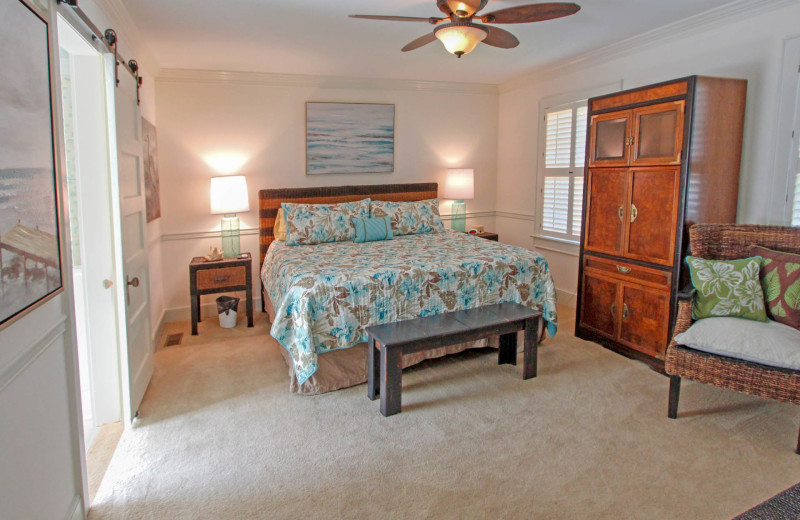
(780, 279)
(727, 288)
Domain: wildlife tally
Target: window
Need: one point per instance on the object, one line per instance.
(563, 145)
(796, 161)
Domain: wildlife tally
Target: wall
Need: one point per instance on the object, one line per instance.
(729, 42)
(42, 473)
(260, 119)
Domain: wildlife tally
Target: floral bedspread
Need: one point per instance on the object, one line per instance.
(325, 294)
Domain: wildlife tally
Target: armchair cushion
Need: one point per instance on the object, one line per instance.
(768, 343)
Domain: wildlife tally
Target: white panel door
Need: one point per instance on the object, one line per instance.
(138, 367)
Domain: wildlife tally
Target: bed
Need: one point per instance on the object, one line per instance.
(320, 297)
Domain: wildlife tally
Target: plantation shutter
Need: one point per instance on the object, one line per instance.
(564, 143)
(796, 206)
(555, 208)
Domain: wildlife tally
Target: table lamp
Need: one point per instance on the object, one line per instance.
(228, 197)
(459, 186)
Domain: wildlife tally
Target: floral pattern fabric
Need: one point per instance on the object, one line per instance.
(308, 224)
(410, 218)
(727, 288)
(324, 296)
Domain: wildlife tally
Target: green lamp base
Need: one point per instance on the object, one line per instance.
(458, 217)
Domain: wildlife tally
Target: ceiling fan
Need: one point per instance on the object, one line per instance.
(460, 35)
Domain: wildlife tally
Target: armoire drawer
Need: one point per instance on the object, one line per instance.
(625, 271)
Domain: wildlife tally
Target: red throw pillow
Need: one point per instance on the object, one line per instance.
(780, 279)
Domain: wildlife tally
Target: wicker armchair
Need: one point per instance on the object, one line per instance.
(728, 242)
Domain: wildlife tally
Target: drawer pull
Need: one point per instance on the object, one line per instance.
(614, 310)
(634, 213)
(621, 213)
(222, 279)
(625, 312)
(623, 270)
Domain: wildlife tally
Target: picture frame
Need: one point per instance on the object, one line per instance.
(31, 271)
(349, 138)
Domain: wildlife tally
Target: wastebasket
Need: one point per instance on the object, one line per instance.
(226, 307)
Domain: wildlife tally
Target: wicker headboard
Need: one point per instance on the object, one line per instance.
(270, 200)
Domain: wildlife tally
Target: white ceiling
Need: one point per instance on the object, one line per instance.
(317, 37)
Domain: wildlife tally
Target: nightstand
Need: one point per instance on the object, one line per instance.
(219, 276)
(488, 236)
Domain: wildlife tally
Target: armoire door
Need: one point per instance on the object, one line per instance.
(645, 319)
(658, 134)
(610, 139)
(652, 214)
(606, 210)
(599, 305)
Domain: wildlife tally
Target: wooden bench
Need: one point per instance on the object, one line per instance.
(388, 343)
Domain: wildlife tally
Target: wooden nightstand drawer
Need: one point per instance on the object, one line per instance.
(221, 277)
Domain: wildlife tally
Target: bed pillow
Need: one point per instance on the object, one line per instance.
(372, 229)
(308, 224)
(727, 288)
(279, 229)
(780, 279)
(410, 218)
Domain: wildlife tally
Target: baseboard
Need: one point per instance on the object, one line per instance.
(207, 310)
(158, 333)
(567, 298)
(75, 511)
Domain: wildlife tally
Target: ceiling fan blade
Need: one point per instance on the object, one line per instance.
(396, 18)
(531, 13)
(419, 42)
(499, 37)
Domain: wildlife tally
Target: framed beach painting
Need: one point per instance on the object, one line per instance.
(30, 256)
(349, 138)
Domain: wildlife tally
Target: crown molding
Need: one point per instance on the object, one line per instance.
(701, 22)
(131, 39)
(219, 77)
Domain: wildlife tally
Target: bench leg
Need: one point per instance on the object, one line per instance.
(508, 349)
(391, 364)
(530, 348)
(373, 369)
(674, 396)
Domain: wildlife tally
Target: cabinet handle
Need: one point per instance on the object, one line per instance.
(625, 312)
(621, 213)
(623, 270)
(614, 310)
(629, 141)
(222, 279)
(634, 213)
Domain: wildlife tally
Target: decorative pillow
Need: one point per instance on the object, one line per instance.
(308, 224)
(372, 229)
(727, 288)
(780, 279)
(279, 229)
(410, 218)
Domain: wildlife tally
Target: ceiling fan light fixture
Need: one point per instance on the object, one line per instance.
(460, 39)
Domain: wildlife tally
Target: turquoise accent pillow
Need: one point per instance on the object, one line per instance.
(727, 288)
(372, 229)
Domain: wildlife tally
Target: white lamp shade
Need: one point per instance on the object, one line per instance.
(460, 39)
(229, 195)
(460, 184)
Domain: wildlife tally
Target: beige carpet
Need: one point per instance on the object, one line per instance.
(219, 437)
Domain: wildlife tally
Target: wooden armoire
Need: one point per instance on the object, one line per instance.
(659, 159)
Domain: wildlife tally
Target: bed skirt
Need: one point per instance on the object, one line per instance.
(348, 367)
